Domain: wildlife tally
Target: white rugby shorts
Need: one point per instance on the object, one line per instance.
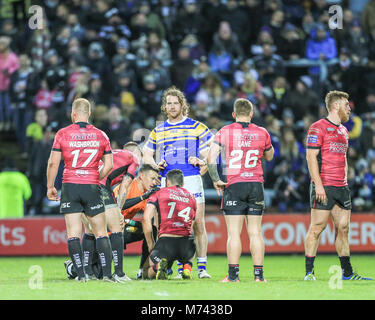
(194, 185)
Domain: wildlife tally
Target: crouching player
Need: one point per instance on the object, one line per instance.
(125, 164)
(173, 208)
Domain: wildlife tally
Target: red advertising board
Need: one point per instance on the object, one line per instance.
(282, 234)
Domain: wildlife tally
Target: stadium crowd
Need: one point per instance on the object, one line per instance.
(121, 55)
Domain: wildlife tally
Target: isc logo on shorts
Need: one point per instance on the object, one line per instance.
(198, 195)
(65, 205)
(231, 203)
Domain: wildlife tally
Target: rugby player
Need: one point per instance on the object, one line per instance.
(327, 145)
(245, 144)
(82, 146)
(182, 143)
(139, 191)
(125, 164)
(173, 208)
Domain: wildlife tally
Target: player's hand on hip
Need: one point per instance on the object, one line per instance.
(219, 186)
(320, 194)
(52, 194)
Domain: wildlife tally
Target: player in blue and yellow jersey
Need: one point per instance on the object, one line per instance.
(183, 143)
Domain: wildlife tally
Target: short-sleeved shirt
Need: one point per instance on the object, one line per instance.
(244, 145)
(124, 163)
(176, 142)
(176, 208)
(332, 140)
(82, 146)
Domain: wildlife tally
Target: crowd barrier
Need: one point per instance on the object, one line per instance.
(283, 233)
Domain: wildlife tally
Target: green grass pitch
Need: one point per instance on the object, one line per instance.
(284, 275)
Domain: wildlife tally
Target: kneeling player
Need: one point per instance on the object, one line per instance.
(125, 164)
(174, 209)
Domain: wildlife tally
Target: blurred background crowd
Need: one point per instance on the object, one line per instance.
(121, 55)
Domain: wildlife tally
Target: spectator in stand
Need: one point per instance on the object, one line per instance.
(123, 60)
(188, 21)
(181, 67)
(195, 47)
(357, 43)
(302, 99)
(34, 131)
(95, 93)
(37, 173)
(14, 191)
(212, 11)
(212, 87)
(276, 25)
(279, 89)
(226, 106)
(23, 86)
(98, 63)
(264, 37)
(8, 65)
(221, 62)
(368, 15)
(228, 40)
(149, 100)
(293, 46)
(116, 128)
(292, 150)
(153, 19)
(195, 80)
(237, 20)
(321, 46)
(156, 48)
(269, 65)
(254, 12)
(160, 73)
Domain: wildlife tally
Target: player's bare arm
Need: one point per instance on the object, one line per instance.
(313, 166)
(107, 165)
(268, 155)
(148, 158)
(52, 169)
(147, 225)
(213, 153)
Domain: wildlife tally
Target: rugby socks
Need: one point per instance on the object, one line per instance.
(202, 263)
(103, 246)
(233, 271)
(180, 267)
(346, 266)
(75, 252)
(88, 248)
(309, 264)
(117, 244)
(258, 271)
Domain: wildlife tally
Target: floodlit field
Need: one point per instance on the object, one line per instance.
(45, 278)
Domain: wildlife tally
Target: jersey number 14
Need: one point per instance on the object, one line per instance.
(184, 213)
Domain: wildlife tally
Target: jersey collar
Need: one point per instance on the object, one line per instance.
(244, 124)
(175, 123)
(336, 125)
(81, 124)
